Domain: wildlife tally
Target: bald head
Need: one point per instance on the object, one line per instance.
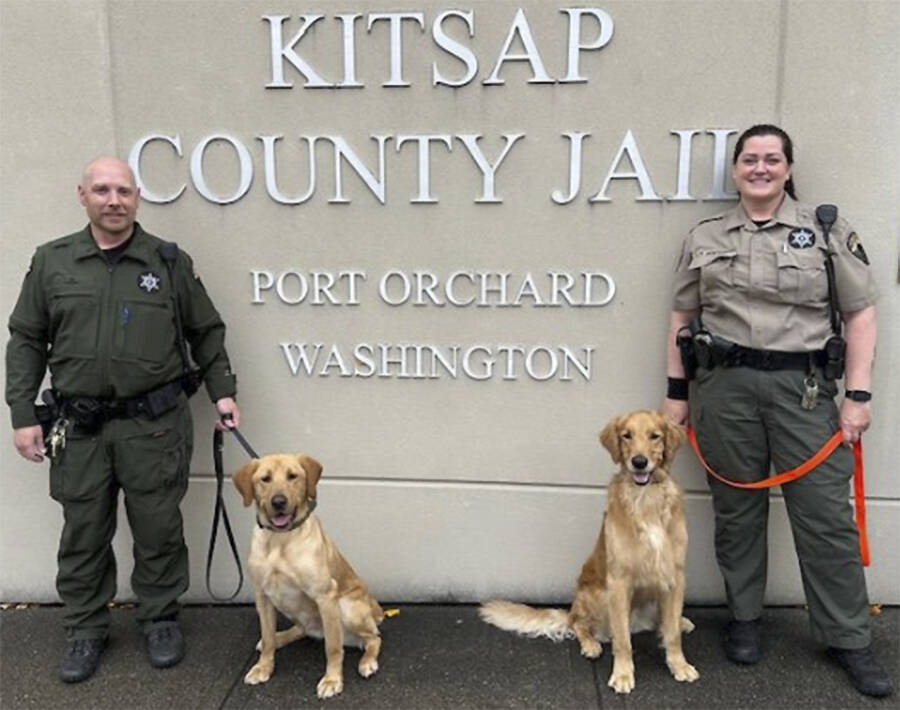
(106, 164)
(110, 197)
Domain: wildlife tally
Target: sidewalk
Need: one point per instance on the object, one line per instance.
(432, 657)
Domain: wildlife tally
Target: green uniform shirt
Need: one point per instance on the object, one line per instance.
(109, 331)
(765, 286)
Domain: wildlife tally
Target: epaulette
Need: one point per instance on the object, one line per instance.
(713, 218)
(708, 220)
(65, 241)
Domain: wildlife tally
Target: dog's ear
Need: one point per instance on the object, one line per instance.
(675, 437)
(609, 437)
(313, 473)
(243, 481)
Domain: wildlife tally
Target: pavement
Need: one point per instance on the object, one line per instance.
(432, 657)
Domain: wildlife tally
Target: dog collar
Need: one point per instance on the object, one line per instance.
(310, 507)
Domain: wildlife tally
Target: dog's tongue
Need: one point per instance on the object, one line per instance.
(642, 478)
(281, 521)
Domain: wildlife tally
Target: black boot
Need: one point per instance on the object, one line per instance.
(743, 641)
(865, 672)
(165, 644)
(81, 659)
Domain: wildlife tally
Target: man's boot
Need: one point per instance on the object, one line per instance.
(81, 659)
(165, 644)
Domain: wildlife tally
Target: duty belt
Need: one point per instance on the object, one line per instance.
(91, 412)
(740, 356)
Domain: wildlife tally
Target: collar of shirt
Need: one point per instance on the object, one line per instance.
(140, 248)
(787, 215)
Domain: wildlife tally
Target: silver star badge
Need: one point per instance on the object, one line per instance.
(148, 282)
(802, 238)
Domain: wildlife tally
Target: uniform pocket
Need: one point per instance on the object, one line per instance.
(158, 457)
(144, 332)
(80, 471)
(74, 322)
(716, 270)
(801, 276)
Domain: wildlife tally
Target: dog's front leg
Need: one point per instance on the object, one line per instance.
(622, 678)
(671, 604)
(262, 671)
(332, 682)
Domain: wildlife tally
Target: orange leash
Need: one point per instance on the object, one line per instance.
(801, 470)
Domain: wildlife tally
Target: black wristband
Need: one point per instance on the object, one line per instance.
(678, 388)
(858, 395)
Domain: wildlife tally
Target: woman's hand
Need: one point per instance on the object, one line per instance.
(677, 410)
(855, 419)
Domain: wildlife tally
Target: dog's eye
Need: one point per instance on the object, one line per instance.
(655, 435)
(626, 435)
(291, 476)
(267, 478)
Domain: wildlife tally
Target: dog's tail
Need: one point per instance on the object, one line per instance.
(526, 620)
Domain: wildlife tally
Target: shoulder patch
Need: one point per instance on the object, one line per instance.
(854, 244)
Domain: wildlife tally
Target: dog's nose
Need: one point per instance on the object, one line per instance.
(639, 462)
(279, 502)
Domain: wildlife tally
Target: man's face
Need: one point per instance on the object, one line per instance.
(110, 198)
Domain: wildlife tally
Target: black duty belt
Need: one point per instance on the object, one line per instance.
(740, 356)
(151, 404)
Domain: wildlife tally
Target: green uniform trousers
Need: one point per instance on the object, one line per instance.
(149, 461)
(746, 422)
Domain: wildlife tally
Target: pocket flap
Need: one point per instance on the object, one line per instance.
(705, 257)
(801, 259)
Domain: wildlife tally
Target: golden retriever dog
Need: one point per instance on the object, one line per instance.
(298, 571)
(634, 578)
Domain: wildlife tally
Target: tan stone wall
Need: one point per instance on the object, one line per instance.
(447, 488)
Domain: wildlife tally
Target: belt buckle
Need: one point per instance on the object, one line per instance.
(766, 361)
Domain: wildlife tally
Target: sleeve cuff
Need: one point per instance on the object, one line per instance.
(22, 415)
(221, 386)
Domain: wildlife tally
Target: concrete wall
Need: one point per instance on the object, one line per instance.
(447, 488)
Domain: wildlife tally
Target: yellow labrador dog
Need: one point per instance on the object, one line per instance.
(634, 578)
(297, 570)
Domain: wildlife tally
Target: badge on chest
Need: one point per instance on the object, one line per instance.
(148, 282)
(801, 238)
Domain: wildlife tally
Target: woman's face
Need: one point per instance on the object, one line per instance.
(761, 169)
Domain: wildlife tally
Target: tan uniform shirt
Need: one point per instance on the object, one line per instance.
(765, 287)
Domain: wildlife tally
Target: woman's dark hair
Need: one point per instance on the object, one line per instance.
(787, 147)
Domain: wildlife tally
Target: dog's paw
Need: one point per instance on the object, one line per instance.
(260, 673)
(591, 648)
(368, 667)
(622, 681)
(684, 672)
(329, 686)
(686, 625)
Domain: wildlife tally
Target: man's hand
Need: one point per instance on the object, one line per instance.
(29, 441)
(855, 419)
(227, 405)
(677, 410)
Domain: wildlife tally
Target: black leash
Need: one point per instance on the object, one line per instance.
(221, 512)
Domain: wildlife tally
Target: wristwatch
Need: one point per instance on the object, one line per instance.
(858, 395)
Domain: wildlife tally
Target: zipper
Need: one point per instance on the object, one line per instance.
(106, 339)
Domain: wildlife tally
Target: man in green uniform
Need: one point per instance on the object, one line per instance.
(102, 308)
